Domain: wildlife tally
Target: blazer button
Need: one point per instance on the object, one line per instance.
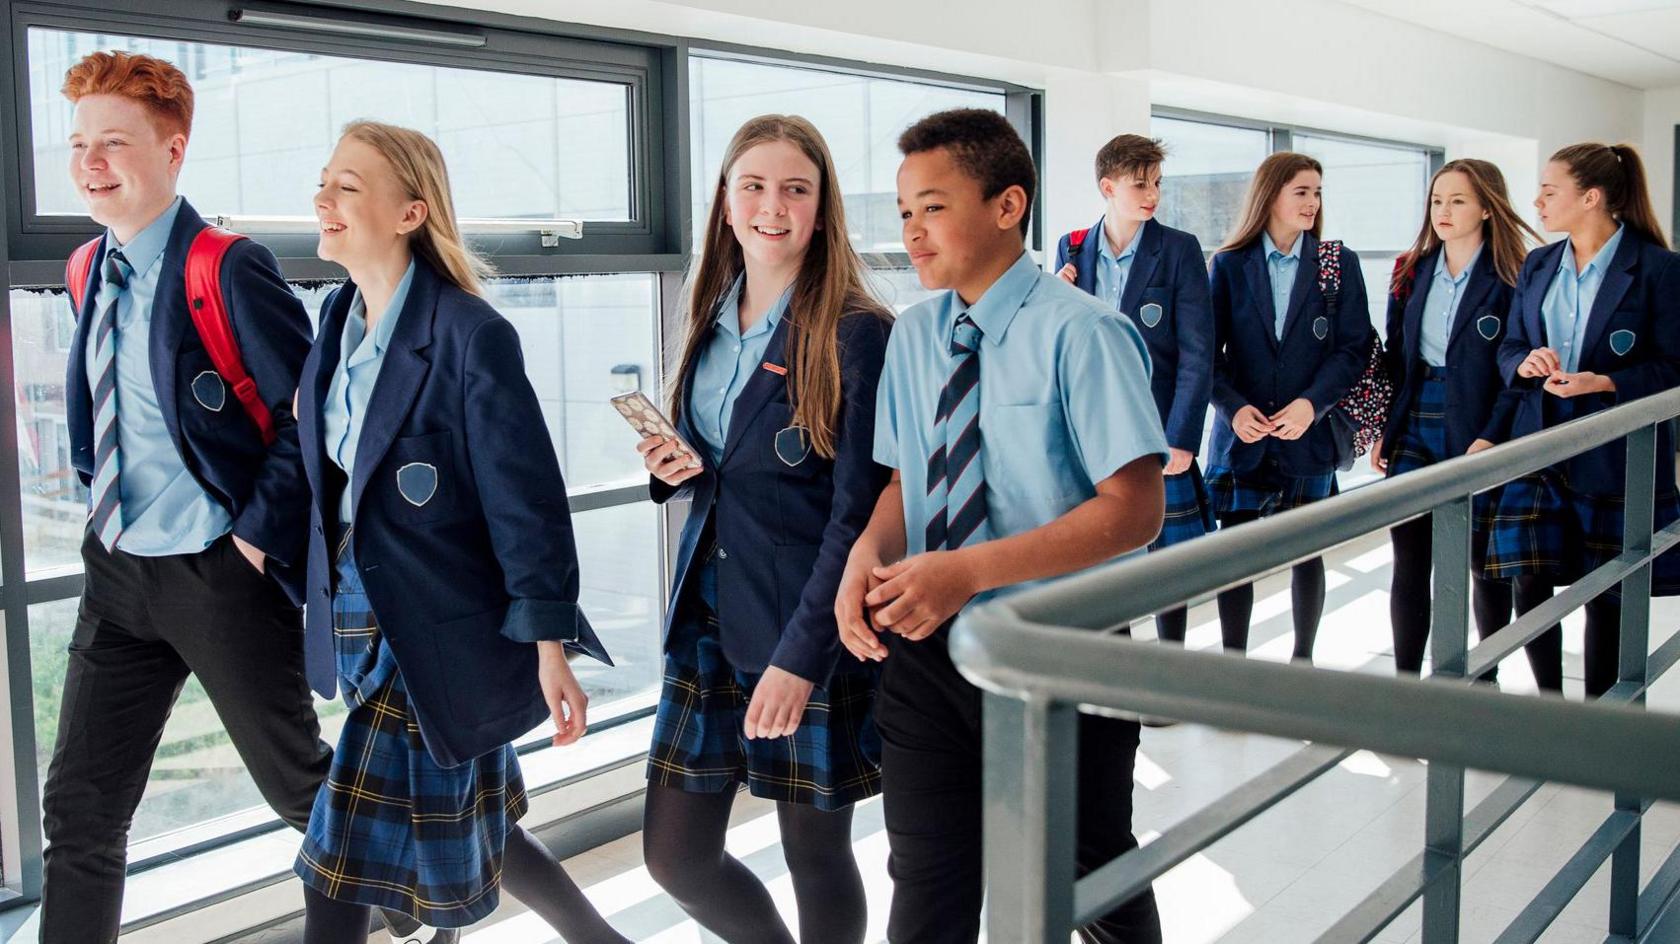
(723, 554)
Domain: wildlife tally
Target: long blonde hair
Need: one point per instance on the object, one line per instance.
(420, 170)
(830, 283)
(1274, 174)
(1506, 234)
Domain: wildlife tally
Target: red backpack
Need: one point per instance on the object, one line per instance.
(209, 313)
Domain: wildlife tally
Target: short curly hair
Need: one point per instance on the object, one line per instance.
(154, 83)
(983, 144)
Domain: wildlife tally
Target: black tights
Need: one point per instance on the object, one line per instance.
(1409, 597)
(1173, 625)
(530, 873)
(1306, 592)
(1603, 639)
(682, 845)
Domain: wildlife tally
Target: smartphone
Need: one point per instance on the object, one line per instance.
(646, 420)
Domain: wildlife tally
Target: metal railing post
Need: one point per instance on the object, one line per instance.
(1449, 641)
(1634, 661)
(1031, 781)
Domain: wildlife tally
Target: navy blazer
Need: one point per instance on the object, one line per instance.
(783, 532)
(1637, 310)
(462, 531)
(262, 487)
(1479, 405)
(1320, 358)
(1169, 273)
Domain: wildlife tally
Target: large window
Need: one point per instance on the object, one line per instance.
(1374, 192)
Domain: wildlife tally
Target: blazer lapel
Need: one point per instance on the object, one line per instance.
(1088, 258)
(1306, 278)
(170, 319)
(760, 388)
(1532, 319)
(400, 376)
(1260, 285)
(1476, 288)
(1143, 266)
(1413, 323)
(315, 379)
(1610, 293)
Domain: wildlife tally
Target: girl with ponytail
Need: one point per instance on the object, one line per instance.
(1594, 321)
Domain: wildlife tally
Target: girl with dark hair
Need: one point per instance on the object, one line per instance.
(1594, 321)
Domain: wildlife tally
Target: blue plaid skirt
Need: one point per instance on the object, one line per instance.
(390, 827)
(1189, 512)
(1422, 442)
(832, 761)
(1544, 528)
(1265, 491)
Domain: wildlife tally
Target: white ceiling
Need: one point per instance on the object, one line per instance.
(1634, 42)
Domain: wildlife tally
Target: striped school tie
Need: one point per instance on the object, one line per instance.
(106, 518)
(956, 488)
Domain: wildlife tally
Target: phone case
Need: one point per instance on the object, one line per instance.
(646, 420)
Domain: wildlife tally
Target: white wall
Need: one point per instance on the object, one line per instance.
(1662, 114)
(1103, 63)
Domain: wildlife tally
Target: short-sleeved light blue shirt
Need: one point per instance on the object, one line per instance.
(165, 510)
(725, 365)
(359, 358)
(1567, 307)
(1064, 399)
(1440, 308)
(1282, 267)
(1112, 270)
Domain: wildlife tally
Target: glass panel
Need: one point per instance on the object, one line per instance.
(898, 289)
(624, 595)
(1206, 174)
(518, 145)
(860, 117)
(54, 498)
(1373, 193)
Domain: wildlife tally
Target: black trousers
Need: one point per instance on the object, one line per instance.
(929, 718)
(144, 624)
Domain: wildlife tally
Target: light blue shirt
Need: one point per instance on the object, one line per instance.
(1282, 268)
(1440, 308)
(359, 358)
(725, 365)
(1112, 271)
(1567, 306)
(165, 510)
(1064, 399)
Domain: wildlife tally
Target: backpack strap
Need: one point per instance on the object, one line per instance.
(78, 271)
(210, 316)
(1077, 239)
(1330, 273)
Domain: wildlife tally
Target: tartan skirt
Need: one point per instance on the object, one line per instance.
(1544, 528)
(1189, 512)
(1265, 490)
(390, 827)
(1422, 442)
(830, 762)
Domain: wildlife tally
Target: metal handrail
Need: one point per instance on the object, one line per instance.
(1035, 656)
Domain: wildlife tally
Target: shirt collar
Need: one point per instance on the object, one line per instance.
(1294, 252)
(1463, 274)
(147, 245)
(383, 331)
(1107, 250)
(994, 310)
(729, 310)
(1600, 262)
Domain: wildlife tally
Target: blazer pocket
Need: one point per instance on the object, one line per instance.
(205, 399)
(472, 648)
(417, 480)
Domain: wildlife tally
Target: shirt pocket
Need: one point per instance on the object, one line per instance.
(418, 482)
(1028, 453)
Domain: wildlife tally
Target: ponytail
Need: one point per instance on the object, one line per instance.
(1618, 171)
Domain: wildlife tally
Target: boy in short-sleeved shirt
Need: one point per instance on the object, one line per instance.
(1016, 413)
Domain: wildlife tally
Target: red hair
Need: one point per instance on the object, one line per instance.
(153, 82)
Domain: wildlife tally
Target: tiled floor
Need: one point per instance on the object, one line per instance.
(1286, 876)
